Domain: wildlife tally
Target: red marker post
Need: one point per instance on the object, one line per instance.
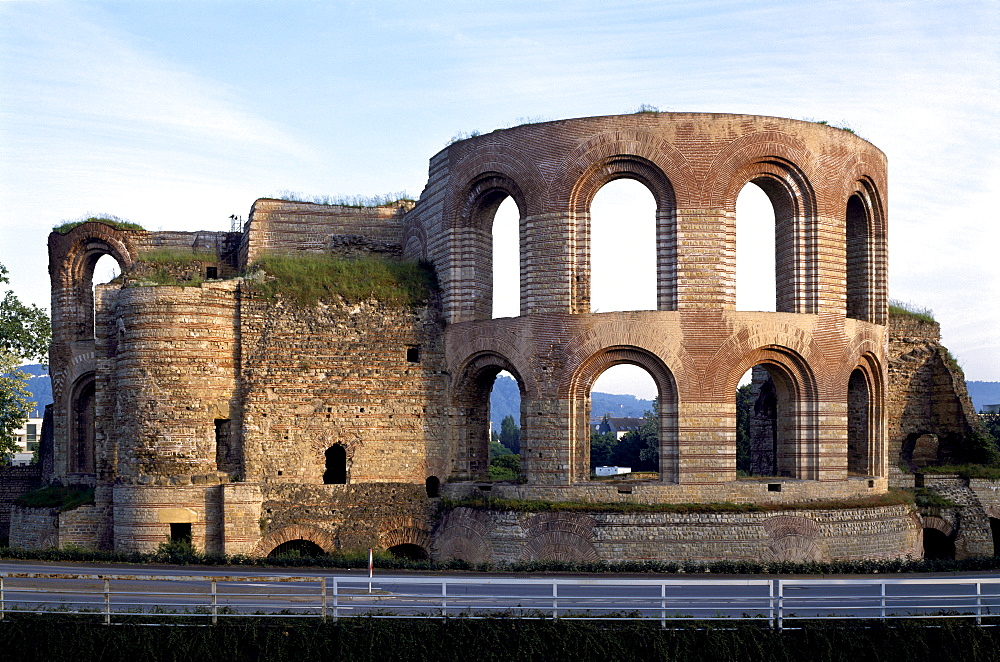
(371, 568)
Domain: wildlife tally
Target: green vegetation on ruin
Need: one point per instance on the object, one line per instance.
(113, 221)
(911, 310)
(309, 279)
(174, 256)
(926, 498)
(988, 472)
(482, 502)
(62, 497)
(356, 201)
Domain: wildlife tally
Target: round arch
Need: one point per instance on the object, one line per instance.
(797, 434)
(585, 188)
(473, 230)
(866, 402)
(285, 534)
(864, 249)
(82, 443)
(471, 397)
(582, 382)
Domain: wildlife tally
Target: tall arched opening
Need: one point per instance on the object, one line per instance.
(624, 421)
(471, 437)
(623, 262)
(858, 243)
(660, 442)
(82, 438)
(755, 250)
(336, 465)
(506, 260)
(859, 426)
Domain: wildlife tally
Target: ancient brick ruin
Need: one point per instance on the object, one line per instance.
(249, 422)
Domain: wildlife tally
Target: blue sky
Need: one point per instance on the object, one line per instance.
(177, 114)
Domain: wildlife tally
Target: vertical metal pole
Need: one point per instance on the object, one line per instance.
(555, 598)
(663, 605)
(444, 598)
(3, 605)
(322, 598)
(882, 601)
(780, 601)
(336, 599)
(979, 603)
(215, 605)
(107, 601)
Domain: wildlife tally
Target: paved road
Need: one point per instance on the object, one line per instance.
(342, 593)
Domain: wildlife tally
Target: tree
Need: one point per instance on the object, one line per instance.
(510, 434)
(640, 449)
(25, 331)
(25, 334)
(602, 444)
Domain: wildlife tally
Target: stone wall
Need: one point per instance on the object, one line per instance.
(47, 528)
(793, 535)
(15, 481)
(929, 412)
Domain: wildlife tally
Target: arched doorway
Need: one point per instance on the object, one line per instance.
(859, 455)
(409, 551)
(82, 439)
(298, 547)
(336, 465)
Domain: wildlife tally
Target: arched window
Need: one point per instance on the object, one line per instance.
(859, 260)
(859, 461)
(755, 250)
(433, 487)
(99, 267)
(624, 423)
(298, 547)
(336, 465)
(623, 269)
(767, 442)
(488, 393)
(82, 427)
(409, 551)
(506, 260)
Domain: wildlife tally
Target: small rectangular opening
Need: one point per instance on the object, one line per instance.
(180, 532)
(413, 354)
(625, 490)
(871, 483)
(485, 488)
(211, 272)
(774, 487)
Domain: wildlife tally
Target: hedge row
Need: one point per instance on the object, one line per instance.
(383, 562)
(491, 640)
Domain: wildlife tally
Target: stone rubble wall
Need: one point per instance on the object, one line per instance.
(794, 535)
(47, 528)
(14, 482)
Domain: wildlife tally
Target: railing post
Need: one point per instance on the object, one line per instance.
(444, 598)
(322, 598)
(215, 604)
(979, 603)
(663, 605)
(882, 600)
(3, 605)
(780, 602)
(336, 599)
(107, 601)
(555, 598)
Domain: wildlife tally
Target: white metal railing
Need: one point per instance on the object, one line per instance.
(146, 598)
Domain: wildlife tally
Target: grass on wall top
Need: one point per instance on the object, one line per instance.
(308, 279)
(911, 310)
(113, 221)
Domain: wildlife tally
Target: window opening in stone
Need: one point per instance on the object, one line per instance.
(336, 465)
(413, 354)
(624, 424)
(858, 260)
(180, 532)
(765, 437)
(105, 270)
(409, 551)
(225, 451)
(858, 451)
(995, 530)
(296, 548)
(433, 486)
(938, 545)
(211, 272)
(506, 260)
(505, 428)
(82, 422)
(755, 251)
(623, 248)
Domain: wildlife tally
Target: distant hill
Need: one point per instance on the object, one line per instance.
(506, 400)
(983, 393)
(40, 386)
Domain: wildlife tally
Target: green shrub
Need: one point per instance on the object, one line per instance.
(308, 279)
(175, 256)
(113, 221)
(357, 201)
(63, 497)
